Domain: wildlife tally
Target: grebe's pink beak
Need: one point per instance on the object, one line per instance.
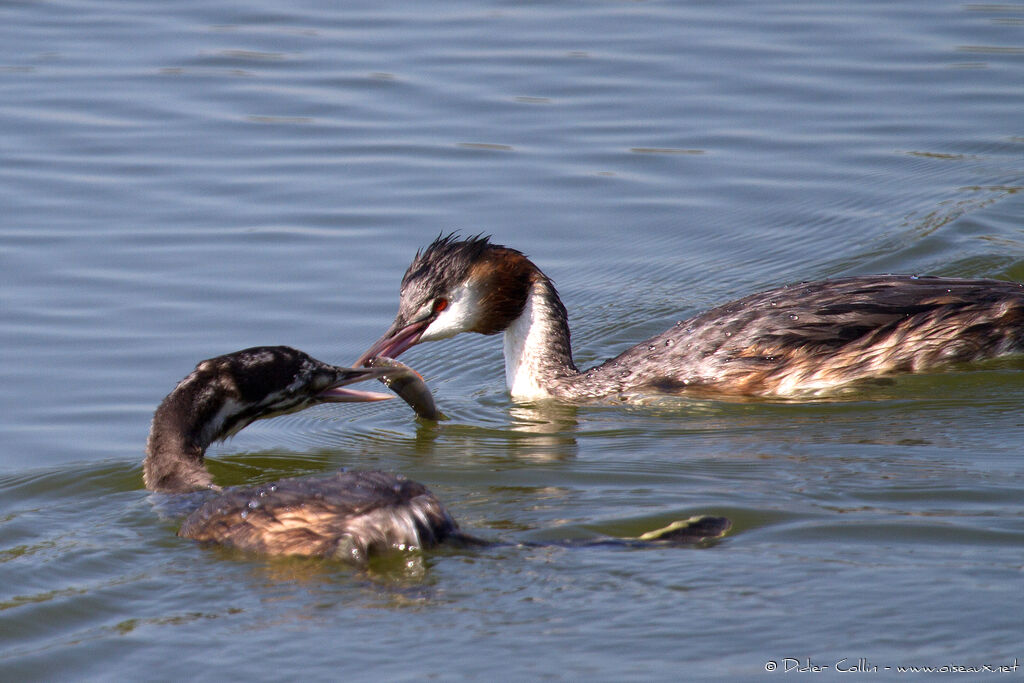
(339, 394)
(397, 339)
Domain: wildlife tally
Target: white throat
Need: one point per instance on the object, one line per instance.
(527, 350)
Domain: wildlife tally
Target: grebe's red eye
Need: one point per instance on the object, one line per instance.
(440, 305)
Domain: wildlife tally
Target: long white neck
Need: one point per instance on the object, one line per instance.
(537, 350)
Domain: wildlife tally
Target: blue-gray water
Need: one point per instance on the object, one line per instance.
(183, 179)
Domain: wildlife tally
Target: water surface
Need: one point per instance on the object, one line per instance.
(185, 179)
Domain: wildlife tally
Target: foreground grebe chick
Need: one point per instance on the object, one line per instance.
(790, 341)
(349, 515)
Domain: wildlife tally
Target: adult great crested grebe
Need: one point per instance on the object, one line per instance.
(349, 515)
(791, 341)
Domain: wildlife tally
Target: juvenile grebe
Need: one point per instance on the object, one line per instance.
(349, 515)
(789, 341)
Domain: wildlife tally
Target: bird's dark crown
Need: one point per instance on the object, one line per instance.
(445, 263)
(504, 274)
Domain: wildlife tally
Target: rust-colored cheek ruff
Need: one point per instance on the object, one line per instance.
(504, 278)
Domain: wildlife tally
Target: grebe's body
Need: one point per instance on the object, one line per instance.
(790, 341)
(349, 515)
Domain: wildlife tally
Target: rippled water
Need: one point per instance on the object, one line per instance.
(180, 180)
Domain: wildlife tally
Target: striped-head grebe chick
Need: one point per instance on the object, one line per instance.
(791, 341)
(349, 515)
